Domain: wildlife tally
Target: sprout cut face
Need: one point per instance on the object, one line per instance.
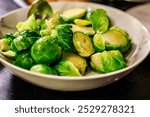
(117, 39)
(75, 13)
(83, 44)
(79, 62)
(66, 68)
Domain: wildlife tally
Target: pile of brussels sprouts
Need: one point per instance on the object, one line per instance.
(68, 43)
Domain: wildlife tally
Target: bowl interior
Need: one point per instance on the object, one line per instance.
(139, 34)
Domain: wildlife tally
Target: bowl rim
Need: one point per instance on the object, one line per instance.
(97, 76)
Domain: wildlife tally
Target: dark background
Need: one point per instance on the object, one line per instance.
(135, 86)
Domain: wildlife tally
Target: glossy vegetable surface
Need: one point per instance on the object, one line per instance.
(67, 43)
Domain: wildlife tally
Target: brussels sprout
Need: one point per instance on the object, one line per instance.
(83, 44)
(107, 61)
(24, 40)
(45, 51)
(81, 22)
(75, 13)
(5, 44)
(44, 69)
(99, 42)
(79, 62)
(9, 53)
(100, 20)
(9, 36)
(24, 60)
(117, 39)
(66, 68)
(64, 36)
(86, 30)
(29, 24)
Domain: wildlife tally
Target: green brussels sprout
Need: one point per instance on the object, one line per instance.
(45, 51)
(66, 68)
(5, 44)
(117, 39)
(64, 36)
(107, 61)
(24, 60)
(82, 22)
(29, 24)
(75, 13)
(79, 62)
(99, 42)
(9, 36)
(9, 53)
(83, 44)
(44, 69)
(86, 30)
(100, 20)
(24, 40)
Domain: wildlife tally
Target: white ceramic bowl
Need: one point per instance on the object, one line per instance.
(141, 48)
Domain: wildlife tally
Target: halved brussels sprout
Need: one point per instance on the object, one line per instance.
(75, 13)
(83, 44)
(99, 42)
(117, 39)
(9, 53)
(24, 60)
(79, 62)
(64, 36)
(82, 22)
(66, 68)
(86, 30)
(45, 51)
(29, 24)
(100, 20)
(44, 69)
(5, 44)
(107, 61)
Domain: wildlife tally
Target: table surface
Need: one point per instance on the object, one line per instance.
(135, 86)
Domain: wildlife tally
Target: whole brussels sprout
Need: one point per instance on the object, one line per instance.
(45, 51)
(44, 69)
(66, 68)
(99, 42)
(83, 44)
(79, 62)
(24, 60)
(117, 39)
(107, 61)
